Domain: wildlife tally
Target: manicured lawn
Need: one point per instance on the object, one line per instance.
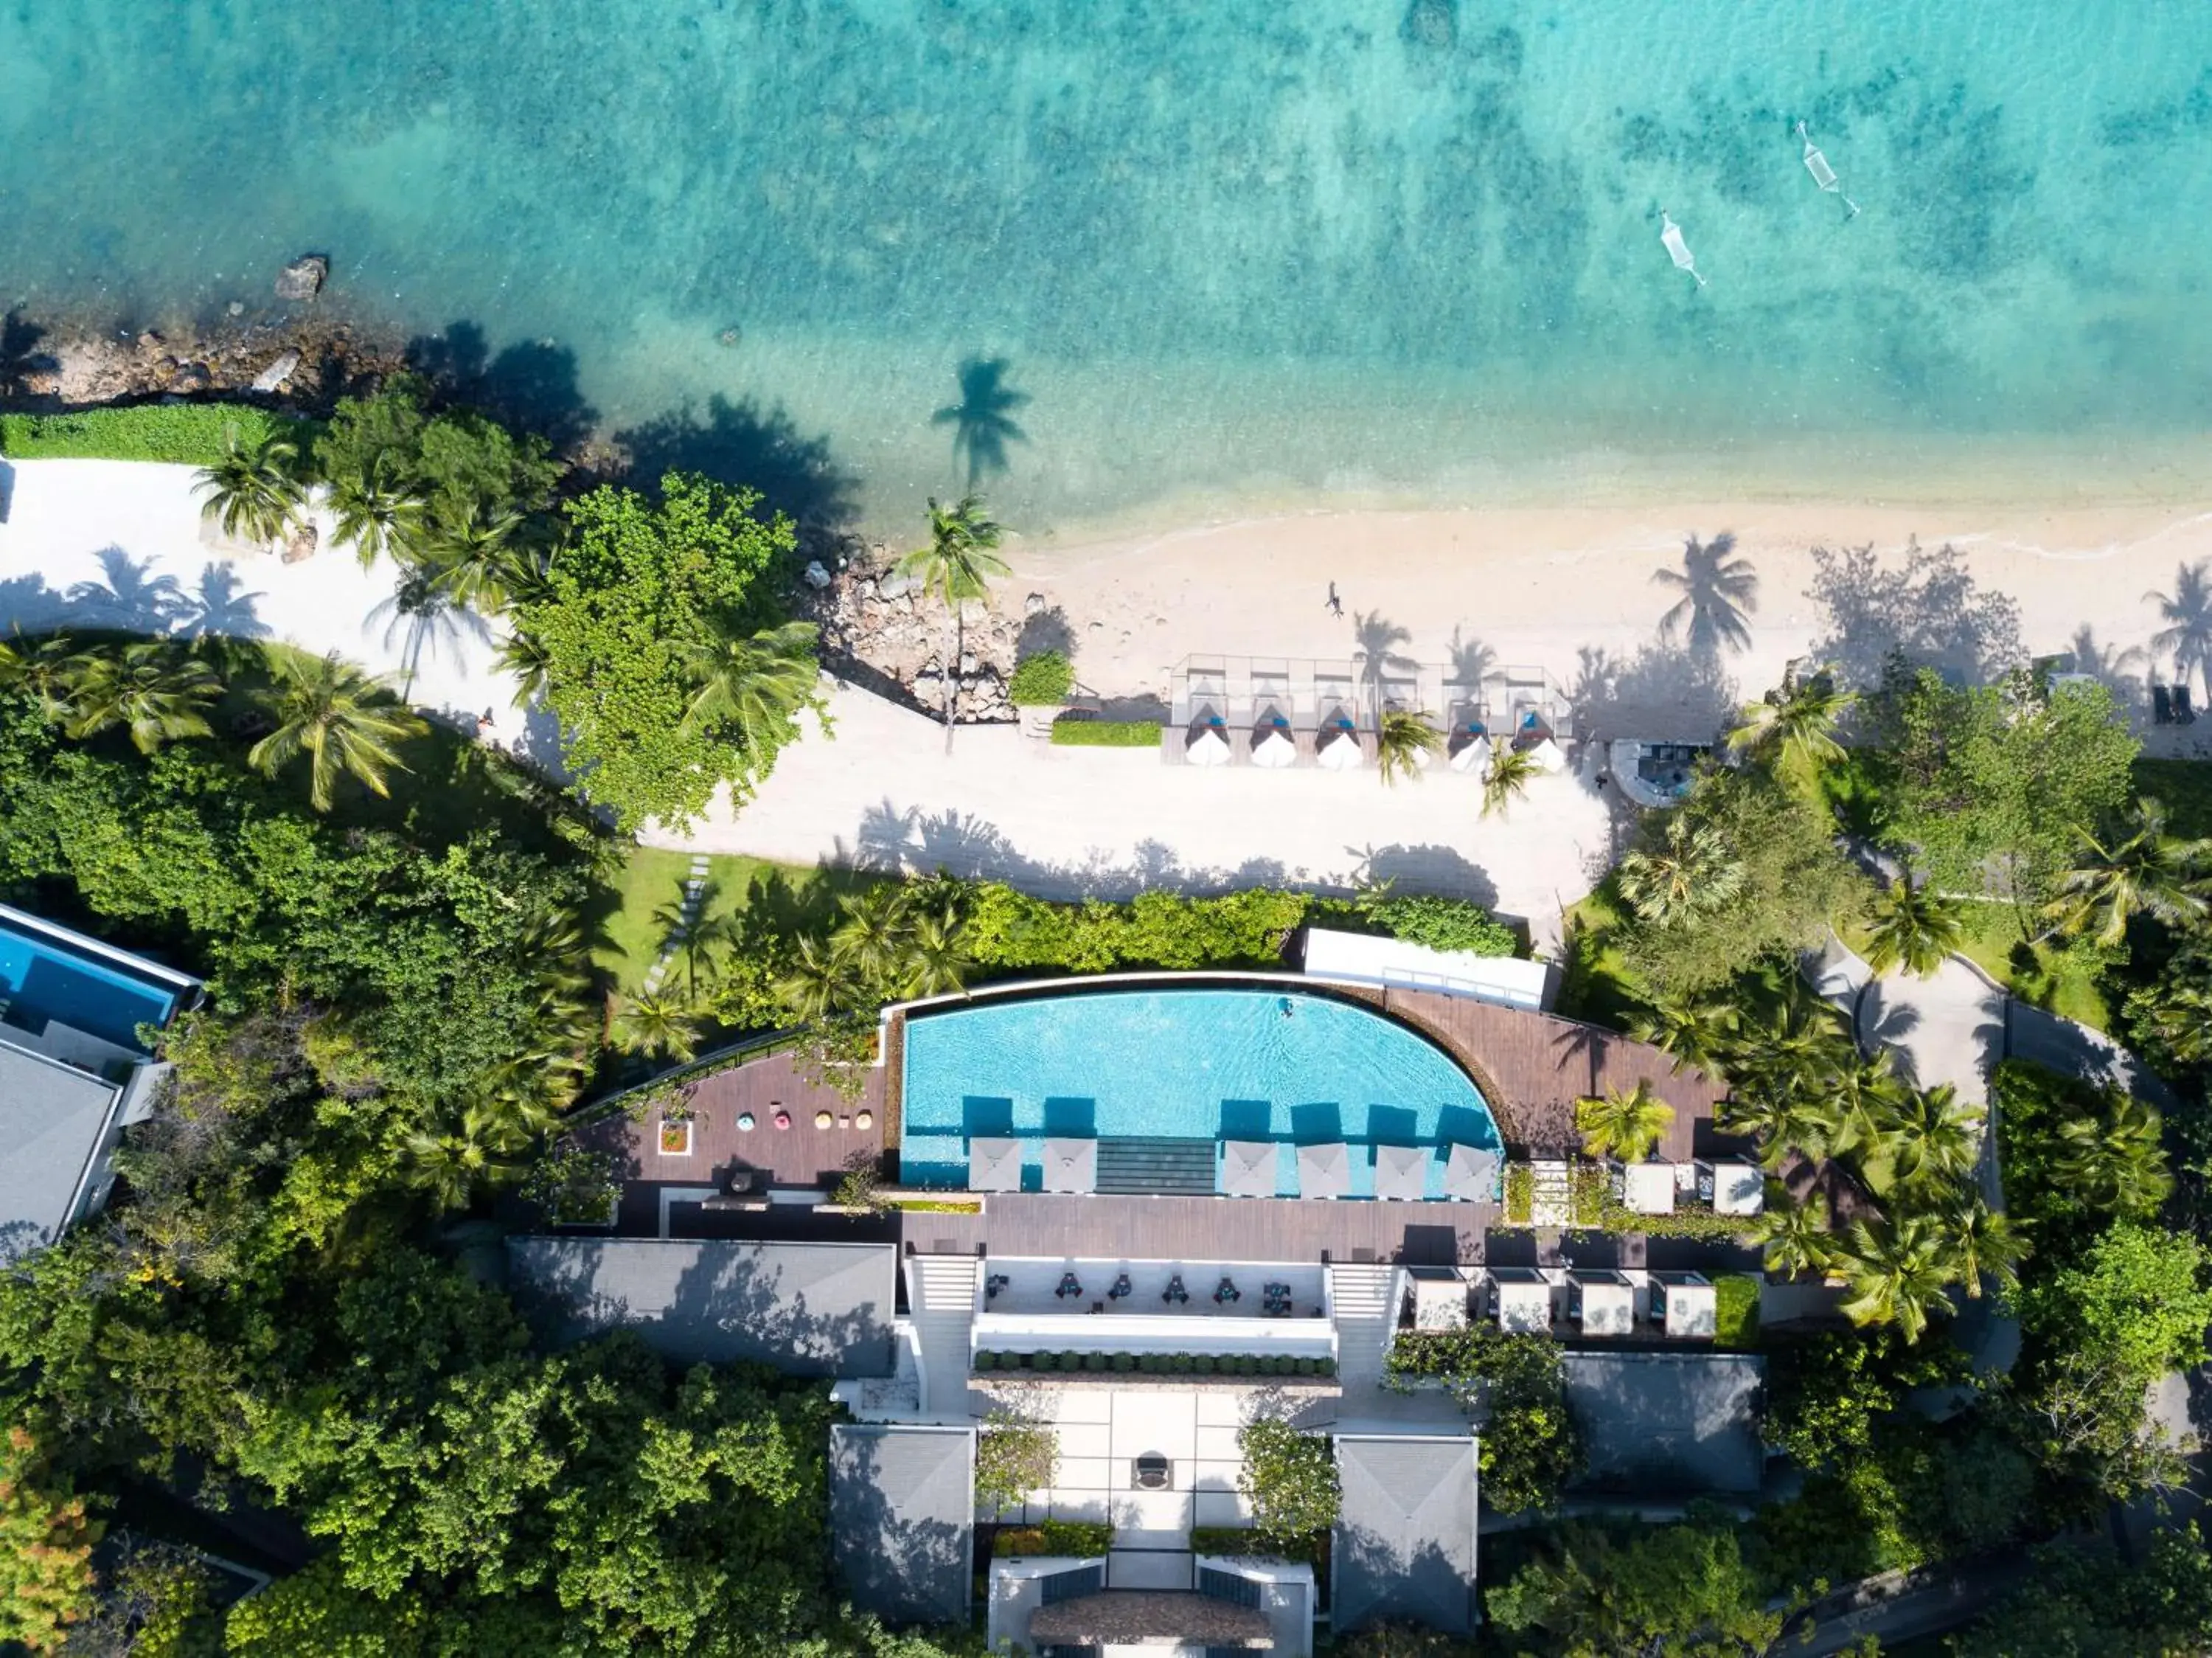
(650, 879)
(1992, 933)
(1594, 985)
(2183, 788)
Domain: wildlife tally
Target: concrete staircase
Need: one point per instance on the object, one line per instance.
(1363, 1299)
(1154, 1168)
(1551, 1194)
(941, 1292)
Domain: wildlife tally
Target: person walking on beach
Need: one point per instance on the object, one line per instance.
(1335, 605)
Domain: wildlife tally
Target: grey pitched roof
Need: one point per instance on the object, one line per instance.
(810, 1309)
(1404, 1544)
(902, 1512)
(52, 1120)
(1665, 1423)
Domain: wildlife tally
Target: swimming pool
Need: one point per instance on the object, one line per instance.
(1190, 1064)
(45, 978)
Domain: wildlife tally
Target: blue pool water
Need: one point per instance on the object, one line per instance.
(42, 980)
(1179, 1065)
(1230, 252)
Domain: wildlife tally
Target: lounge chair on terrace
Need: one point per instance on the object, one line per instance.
(1121, 1287)
(2161, 706)
(1069, 1285)
(2183, 713)
(1175, 1294)
(1226, 1291)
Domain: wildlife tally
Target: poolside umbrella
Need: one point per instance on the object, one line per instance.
(1341, 752)
(1324, 1171)
(1071, 1165)
(994, 1164)
(1247, 1168)
(1208, 747)
(1275, 751)
(1473, 758)
(1471, 1174)
(1401, 1173)
(1549, 755)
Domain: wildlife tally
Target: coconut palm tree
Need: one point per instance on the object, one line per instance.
(1628, 1125)
(1927, 1138)
(149, 688)
(872, 934)
(1782, 1122)
(377, 508)
(1985, 1243)
(2149, 872)
(41, 669)
(2187, 635)
(938, 962)
(448, 1163)
(750, 686)
(982, 420)
(2115, 1166)
(1404, 742)
(1717, 588)
(471, 552)
(342, 720)
(1803, 1041)
(1691, 871)
(522, 655)
(1913, 927)
(1700, 1031)
(820, 984)
(1798, 721)
(958, 564)
(1794, 1236)
(1512, 770)
(1898, 1272)
(1860, 1102)
(252, 492)
(657, 1027)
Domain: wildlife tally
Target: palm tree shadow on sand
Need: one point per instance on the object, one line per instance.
(1719, 591)
(2187, 613)
(982, 420)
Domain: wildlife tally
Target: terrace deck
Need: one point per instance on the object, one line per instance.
(1210, 1230)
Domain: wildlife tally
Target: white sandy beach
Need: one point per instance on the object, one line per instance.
(1568, 591)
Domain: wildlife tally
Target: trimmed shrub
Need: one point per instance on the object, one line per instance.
(986, 1361)
(1105, 733)
(1079, 1538)
(1202, 1364)
(1180, 1364)
(190, 434)
(1520, 1193)
(1444, 923)
(1041, 681)
(1736, 1310)
(1094, 1361)
(1149, 1364)
(1070, 1361)
(1125, 1361)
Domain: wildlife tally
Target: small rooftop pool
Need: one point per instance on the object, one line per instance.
(51, 975)
(1180, 1064)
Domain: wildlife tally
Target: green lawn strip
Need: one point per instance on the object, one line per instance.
(651, 877)
(190, 434)
(1595, 985)
(2184, 789)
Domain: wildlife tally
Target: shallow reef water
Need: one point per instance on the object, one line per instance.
(1251, 249)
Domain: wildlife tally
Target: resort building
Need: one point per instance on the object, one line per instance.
(1137, 1214)
(74, 1071)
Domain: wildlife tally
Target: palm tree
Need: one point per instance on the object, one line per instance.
(819, 985)
(377, 508)
(522, 655)
(1693, 871)
(1985, 1244)
(1897, 1271)
(937, 953)
(958, 564)
(2188, 618)
(471, 553)
(1716, 590)
(1698, 1032)
(657, 1027)
(1913, 928)
(1782, 1122)
(690, 927)
(1794, 1236)
(42, 670)
(1404, 742)
(750, 686)
(253, 492)
(448, 1163)
(1624, 1126)
(1803, 1041)
(1860, 1102)
(150, 688)
(1927, 1138)
(1798, 721)
(982, 420)
(873, 934)
(2115, 1167)
(1512, 770)
(2148, 873)
(342, 720)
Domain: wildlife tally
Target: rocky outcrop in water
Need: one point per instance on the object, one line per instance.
(309, 364)
(882, 623)
(304, 277)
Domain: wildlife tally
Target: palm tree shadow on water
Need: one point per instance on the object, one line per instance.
(982, 420)
(1719, 591)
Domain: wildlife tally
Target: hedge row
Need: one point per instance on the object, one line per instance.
(1105, 733)
(190, 434)
(1736, 1310)
(1078, 1537)
(1159, 1365)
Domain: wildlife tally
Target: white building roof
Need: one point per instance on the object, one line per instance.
(1523, 1306)
(1648, 1188)
(1356, 959)
(1607, 1309)
(1738, 1189)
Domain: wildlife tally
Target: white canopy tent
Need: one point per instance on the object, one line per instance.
(1275, 751)
(1208, 747)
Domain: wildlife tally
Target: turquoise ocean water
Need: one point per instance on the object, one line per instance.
(1228, 254)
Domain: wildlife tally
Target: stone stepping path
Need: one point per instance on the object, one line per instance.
(695, 888)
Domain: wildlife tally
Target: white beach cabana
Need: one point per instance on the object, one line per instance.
(1525, 1299)
(1604, 1303)
(994, 1164)
(1340, 752)
(1737, 1188)
(1208, 747)
(1247, 1168)
(1324, 1170)
(1275, 751)
(1071, 1165)
(1471, 1174)
(1439, 1297)
(1401, 1173)
(1474, 758)
(1549, 756)
(1685, 1306)
(1648, 1188)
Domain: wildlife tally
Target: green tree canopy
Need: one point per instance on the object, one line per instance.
(1289, 1479)
(636, 605)
(1682, 1590)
